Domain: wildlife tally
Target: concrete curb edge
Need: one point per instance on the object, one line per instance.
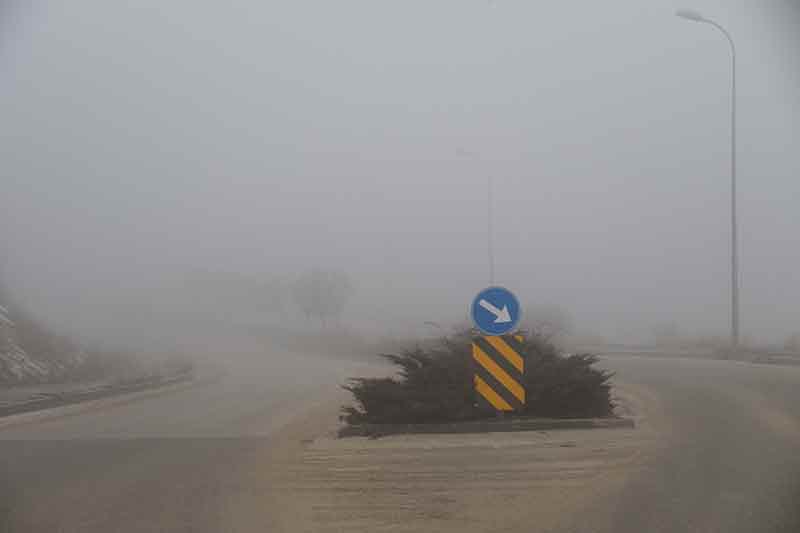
(486, 426)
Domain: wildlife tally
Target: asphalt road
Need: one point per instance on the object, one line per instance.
(727, 458)
(179, 461)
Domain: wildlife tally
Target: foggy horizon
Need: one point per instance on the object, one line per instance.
(148, 143)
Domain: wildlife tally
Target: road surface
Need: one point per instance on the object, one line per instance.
(727, 458)
(729, 453)
(183, 460)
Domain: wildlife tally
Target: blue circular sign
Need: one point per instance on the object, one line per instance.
(495, 311)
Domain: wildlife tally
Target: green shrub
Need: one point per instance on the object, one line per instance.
(435, 385)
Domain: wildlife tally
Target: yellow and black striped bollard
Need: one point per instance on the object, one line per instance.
(499, 369)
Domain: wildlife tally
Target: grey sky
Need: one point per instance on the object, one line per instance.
(143, 140)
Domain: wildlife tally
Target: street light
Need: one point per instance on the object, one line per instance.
(697, 17)
(690, 15)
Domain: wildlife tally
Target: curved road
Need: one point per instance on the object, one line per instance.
(728, 457)
(181, 460)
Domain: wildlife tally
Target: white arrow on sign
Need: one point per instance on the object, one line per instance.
(501, 316)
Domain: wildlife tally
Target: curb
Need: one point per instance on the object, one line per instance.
(79, 408)
(72, 397)
(486, 426)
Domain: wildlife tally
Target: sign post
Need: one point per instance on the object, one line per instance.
(498, 363)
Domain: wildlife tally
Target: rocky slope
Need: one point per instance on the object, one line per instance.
(31, 354)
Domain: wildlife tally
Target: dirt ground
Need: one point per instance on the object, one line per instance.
(531, 481)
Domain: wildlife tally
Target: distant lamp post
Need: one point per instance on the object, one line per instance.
(697, 17)
(489, 214)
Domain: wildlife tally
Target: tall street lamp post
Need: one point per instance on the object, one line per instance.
(696, 17)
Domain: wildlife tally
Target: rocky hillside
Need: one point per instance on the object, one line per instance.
(31, 354)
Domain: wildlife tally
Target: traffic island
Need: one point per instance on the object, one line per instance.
(469, 383)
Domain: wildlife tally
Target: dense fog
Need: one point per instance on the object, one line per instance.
(169, 164)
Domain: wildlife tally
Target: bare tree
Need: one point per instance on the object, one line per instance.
(322, 294)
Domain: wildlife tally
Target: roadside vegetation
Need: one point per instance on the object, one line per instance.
(31, 353)
(434, 384)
